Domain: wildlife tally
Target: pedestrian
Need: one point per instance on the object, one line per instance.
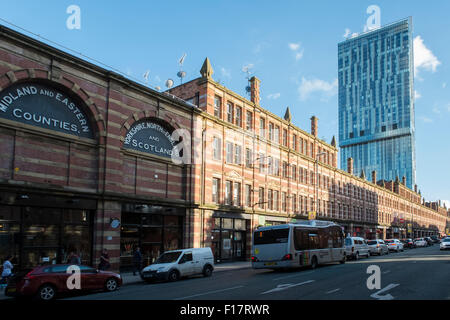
(137, 260)
(74, 259)
(104, 261)
(7, 269)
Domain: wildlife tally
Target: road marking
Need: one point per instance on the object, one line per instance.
(387, 296)
(333, 291)
(209, 292)
(294, 275)
(282, 287)
(387, 271)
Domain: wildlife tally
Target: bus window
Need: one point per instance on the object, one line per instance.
(314, 241)
(301, 241)
(271, 236)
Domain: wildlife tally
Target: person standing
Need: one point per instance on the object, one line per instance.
(74, 258)
(137, 261)
(7, 268)
(104, 261)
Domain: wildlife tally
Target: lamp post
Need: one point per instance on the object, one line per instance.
(316, 185)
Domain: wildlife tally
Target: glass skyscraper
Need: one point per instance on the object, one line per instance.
(376, 102)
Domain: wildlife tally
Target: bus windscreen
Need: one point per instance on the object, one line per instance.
(271, 236)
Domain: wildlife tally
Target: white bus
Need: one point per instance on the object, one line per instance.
(292, 245)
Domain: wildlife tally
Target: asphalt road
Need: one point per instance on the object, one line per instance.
(419, 274)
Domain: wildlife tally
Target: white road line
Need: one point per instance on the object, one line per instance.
(387, 296)
(294, 275)
(333, 291)
(209, 292)
(387, 271)
(282, 287)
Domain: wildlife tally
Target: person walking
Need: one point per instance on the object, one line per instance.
(137, 261)
(74, 259)
(104, 261)
(7, 269)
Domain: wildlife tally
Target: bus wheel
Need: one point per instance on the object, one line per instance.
(314, 262)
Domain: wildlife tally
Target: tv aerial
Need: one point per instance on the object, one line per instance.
(145, 75)
(246, 70)
(181, 74)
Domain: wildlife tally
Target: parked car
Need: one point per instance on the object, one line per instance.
(435, 239)
(429, 241)
(46, 282)
(172, 265)
(394, 245)
(420, 242)
(356, 247)
(445, 244)
(408, 243)
(443, 238)
(377, 247)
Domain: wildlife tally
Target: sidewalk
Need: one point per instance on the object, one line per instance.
(128, 277)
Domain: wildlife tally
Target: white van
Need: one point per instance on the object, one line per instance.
(356, 247)
(172, 265)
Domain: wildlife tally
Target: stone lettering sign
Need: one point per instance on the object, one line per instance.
(150, 137)
(45, 107)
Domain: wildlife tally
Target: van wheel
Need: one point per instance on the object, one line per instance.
(46, 293)
(356, 256)
(207, 271)
(314, 262)
(174, 275)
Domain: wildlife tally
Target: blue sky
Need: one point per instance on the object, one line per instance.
(290, 45)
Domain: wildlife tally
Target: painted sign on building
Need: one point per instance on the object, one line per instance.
(150, 137)
(44, 107)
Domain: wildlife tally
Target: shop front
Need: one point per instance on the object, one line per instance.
(153, 228)
(229, 237)
(40, 229)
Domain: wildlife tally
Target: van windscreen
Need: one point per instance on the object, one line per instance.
(271, 236)
(168, 257)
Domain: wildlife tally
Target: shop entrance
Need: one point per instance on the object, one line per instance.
(228, 239)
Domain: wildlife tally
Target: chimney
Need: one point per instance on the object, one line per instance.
(404, 180)
(350, 165)
(314, 128)
(374, 177)
(254, 90)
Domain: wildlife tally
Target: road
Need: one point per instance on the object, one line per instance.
(419, 274)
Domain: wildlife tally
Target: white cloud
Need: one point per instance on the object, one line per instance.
(417, 95)
(299, 55)
(424, 59)
(347, 33)
(247, 67)
(327, 89)
(294, 46)
(225, 73)
(274, 96)
(436, 110)
(426, 119)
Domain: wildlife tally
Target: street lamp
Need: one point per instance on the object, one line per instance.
(316, 185)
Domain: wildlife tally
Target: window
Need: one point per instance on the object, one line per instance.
(262, 127)
(285, 138)
(285, 169)
(228, 194)
(215, 190)
(294, 142)
(237, 154)
(217, 106)
(277, 134)
(237, 194)
(217, 142)
(276, 167)
(270, 165)
(270, 199)
(283, 201)
(248, 195)
(248, 158)
(229, 112)
(238, 116)
(261, 197)
(229, 152)
(294, 202)
(271, 131)
(294, 172)
(276, 205)
(261, 162)
(249, 120)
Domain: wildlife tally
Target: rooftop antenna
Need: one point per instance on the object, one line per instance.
(246, 70)
(145, 75)
(181, 74)
(169, 83)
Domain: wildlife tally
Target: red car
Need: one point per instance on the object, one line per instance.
(45, 282)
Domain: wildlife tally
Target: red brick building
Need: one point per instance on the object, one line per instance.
(255, 168)
(87, 163)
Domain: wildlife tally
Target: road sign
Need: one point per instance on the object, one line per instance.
(311, 215)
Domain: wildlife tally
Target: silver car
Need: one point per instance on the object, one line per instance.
(355, 247)
(377, 247)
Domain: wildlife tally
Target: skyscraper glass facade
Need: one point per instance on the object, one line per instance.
(376, 102)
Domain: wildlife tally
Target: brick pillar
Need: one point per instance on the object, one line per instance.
(314, 126)
(254, 90)
(104, 235)
(350, 165)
